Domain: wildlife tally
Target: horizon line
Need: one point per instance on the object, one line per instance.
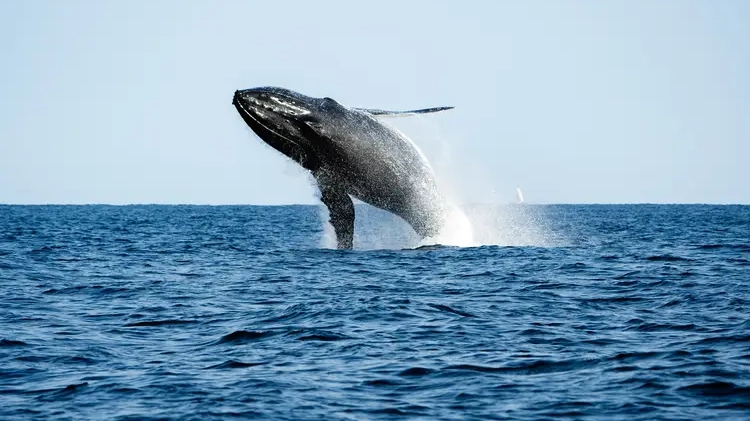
(364, 203)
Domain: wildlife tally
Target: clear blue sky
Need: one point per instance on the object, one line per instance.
(574, 101)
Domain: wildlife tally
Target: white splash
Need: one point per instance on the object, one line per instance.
(328, 240)
(489, 223)
(457, 231)
(465, 225)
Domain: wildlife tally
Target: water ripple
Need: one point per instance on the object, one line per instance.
(192, 312)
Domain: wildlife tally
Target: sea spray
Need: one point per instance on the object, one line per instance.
(493, 221)
(457, 230)
(487, 223)
(328, 239)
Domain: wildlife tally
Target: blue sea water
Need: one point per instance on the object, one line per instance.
(197, 312)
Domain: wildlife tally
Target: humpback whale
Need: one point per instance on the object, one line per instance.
(350, 153)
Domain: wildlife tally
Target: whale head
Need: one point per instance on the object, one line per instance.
(284, 119)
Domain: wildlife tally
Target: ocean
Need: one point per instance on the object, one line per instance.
(600, 312)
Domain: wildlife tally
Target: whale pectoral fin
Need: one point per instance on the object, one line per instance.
(341, 210)
(387, 113)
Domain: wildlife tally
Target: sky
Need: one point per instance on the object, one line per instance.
(573, 101)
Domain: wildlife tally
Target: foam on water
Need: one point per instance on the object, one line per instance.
(466, 226)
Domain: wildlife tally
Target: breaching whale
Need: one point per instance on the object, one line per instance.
(349, 152)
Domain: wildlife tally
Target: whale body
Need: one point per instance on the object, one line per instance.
(350, 153)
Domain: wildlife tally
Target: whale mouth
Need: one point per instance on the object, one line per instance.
(253, 116)
(268, 125)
